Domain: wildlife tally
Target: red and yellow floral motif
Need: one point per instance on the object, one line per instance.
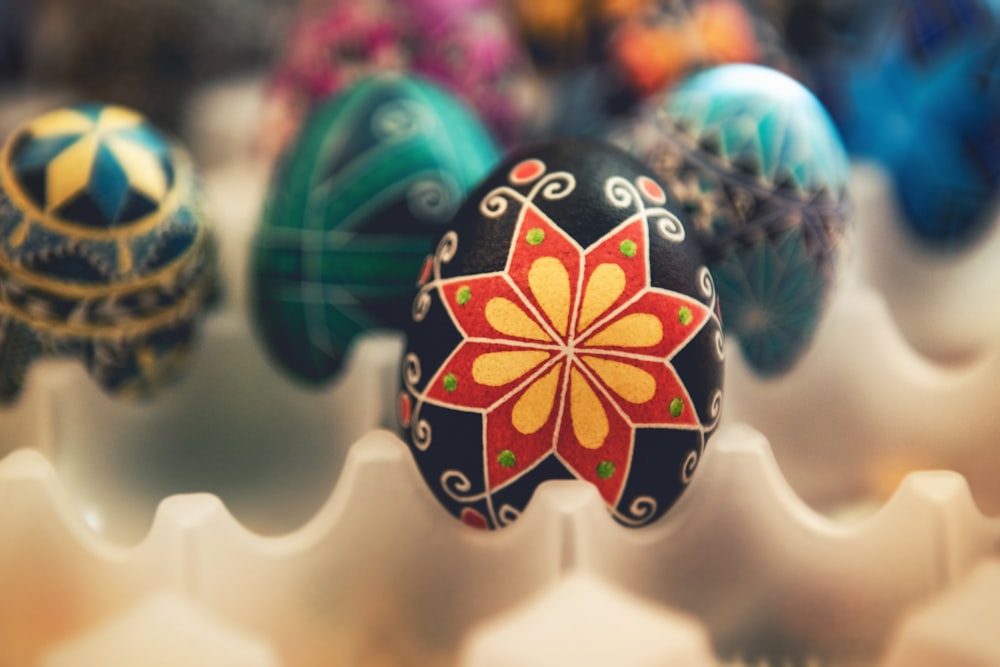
(567, 351)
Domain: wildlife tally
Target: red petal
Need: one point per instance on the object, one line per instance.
(669, 404)
(467, 299)
(471, 517)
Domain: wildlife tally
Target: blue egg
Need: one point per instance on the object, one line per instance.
(924, 100)
(760, 169)
(105, 254)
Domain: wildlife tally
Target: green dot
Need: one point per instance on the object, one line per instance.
(628, 248)
(605, 469)
(535, 236)
(684, 315)
(676, 407)
(507, 459)
(451, 383)
(463, 295)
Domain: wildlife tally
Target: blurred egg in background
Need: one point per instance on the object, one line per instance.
(915, 86)
(757, 164)
(105, 253)
(354, 207)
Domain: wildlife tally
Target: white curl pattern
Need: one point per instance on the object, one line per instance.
(554, 186)
(641, 511)
(457, 485)
(432, 199)
(690, 465)
(398, 120)
(445, 252)
(420, 429)
(507, 515)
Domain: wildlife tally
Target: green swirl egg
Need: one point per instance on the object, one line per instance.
(353, 210)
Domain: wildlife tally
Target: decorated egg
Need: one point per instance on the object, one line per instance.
(353, 211)
(105, 255)
(467, 47)
(565, 328)
(924, 100)
(756, 162)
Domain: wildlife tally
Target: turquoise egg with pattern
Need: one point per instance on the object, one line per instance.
(105, 255)
(352, 213)
(760, 169)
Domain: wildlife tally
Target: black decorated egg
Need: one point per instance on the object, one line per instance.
(354, 209)
(105, 255)
(566, 328)
(755, 160)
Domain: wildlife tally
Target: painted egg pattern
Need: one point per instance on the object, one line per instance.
(759, 167)
(924, 100)
(104, 251)
(353, 211)
(566, 328)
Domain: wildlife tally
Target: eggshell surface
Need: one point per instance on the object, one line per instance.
(758, 165)
(566, 328)
(105, 255)
(353, 211)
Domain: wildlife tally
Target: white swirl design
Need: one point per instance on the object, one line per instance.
(432, 200)
(706, 285)
(690, 465)
(457, 485)
(507, 515)
(640, 512)
(447, 247)
(554, 186)
(621, 193)
(420, 429)
(720, 345)
(714, 410)
(398, 120)
(669, 225)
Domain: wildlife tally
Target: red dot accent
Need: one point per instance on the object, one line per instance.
(405, 410)
(425, 271)
(526, 171)
(652, 190)
(471, 517)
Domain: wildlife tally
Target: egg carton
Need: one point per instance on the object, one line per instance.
(283, 525)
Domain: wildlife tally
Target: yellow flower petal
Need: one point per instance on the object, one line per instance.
(605, 285)
(549, 282)
(630, 382)
(590, 422)
(69, 172)
(495, 369)
(510, 319)
(532, 410)
(636, 330)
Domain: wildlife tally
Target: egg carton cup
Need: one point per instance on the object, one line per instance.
(295, 520)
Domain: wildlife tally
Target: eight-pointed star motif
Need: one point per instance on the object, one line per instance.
(93, 165)
(566, 352)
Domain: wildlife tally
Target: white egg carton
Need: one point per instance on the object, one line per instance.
(240, 519)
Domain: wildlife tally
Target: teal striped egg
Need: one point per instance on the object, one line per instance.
(352, 213)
